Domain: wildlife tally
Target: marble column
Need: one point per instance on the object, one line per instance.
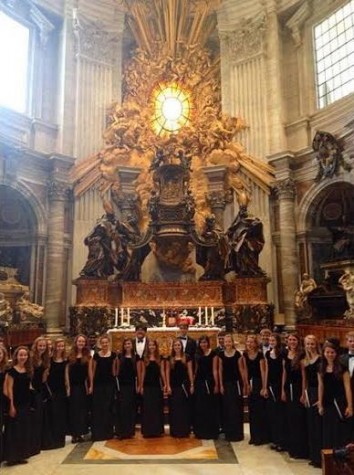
(54, 296)
(285, 190)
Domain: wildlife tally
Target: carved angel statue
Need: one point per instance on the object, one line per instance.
(302, 307)
(5, 309)
(347, 282)
(28, 310)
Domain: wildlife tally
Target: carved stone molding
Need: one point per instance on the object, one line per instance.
(58, 191)
(297, 20)
(94, 42)
(126, 202)
(247, 39)
(285, 189)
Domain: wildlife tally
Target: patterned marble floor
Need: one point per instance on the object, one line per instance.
(162, 457)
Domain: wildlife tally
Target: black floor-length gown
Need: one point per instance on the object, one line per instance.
(296, 424)
(78, 401)
(103, 398)
(314, 420)
(126, 398)
(336, 428)
(179, 400)
(256, 402)
(2, 414)
(152, 408)
(37, 409)
(275, 408)
(205, 423)
(18, 433)
(232, 399)
(55, 424)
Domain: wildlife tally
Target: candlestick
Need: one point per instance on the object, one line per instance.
(163, 318)
(121, 316)
(206, 316)
(128, 315)
(116, 319)
(212, 316)
(200, 315)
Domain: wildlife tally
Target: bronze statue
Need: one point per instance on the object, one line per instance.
(246, 242)
(212, 255)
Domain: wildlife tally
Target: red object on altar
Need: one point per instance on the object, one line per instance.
(187, 319)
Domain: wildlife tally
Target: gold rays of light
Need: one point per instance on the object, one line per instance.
(172, 23)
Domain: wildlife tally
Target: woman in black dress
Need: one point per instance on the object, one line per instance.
(126, 391)
(335, 402)
(40, 362)
(275, 407)
(232, 381)
(56, 408)
(310, 367)
(256, 388)
(103, 370)
(296, 425)
(3, 368)
(152, 384)
(78, 382)
(179, 378)
(206, 387)
(18, 433)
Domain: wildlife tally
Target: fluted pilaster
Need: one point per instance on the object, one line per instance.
(285, 191)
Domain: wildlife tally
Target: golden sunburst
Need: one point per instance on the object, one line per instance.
(172, 108)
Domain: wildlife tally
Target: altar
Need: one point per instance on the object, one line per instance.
(163, 336)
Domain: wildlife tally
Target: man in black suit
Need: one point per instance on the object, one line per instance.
(264, 336)
(140, 341)
(189, 345)
(221, 337)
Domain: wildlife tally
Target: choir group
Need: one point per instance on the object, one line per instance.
(299, 397)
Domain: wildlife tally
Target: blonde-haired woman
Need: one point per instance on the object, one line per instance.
(310, 367)
(56, 408)
(17, 437)
(78, 381)
(103, 373)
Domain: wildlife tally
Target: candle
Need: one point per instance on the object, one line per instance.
(128, 315)
(116, 319)
(163, 318)
(206, 315)
(121, 316)
(212, 316)
(199, 315)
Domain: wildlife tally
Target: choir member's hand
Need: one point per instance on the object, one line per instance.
(68, 392)
(221, 389)
(348, 412)
(192, 389)
(320, 410)
(90, 390)
(246, 390)
(283, 395)
(141, 390)
(12, 411)
(168, 390)
(264, 393)
(216, 389)
(303, 399)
